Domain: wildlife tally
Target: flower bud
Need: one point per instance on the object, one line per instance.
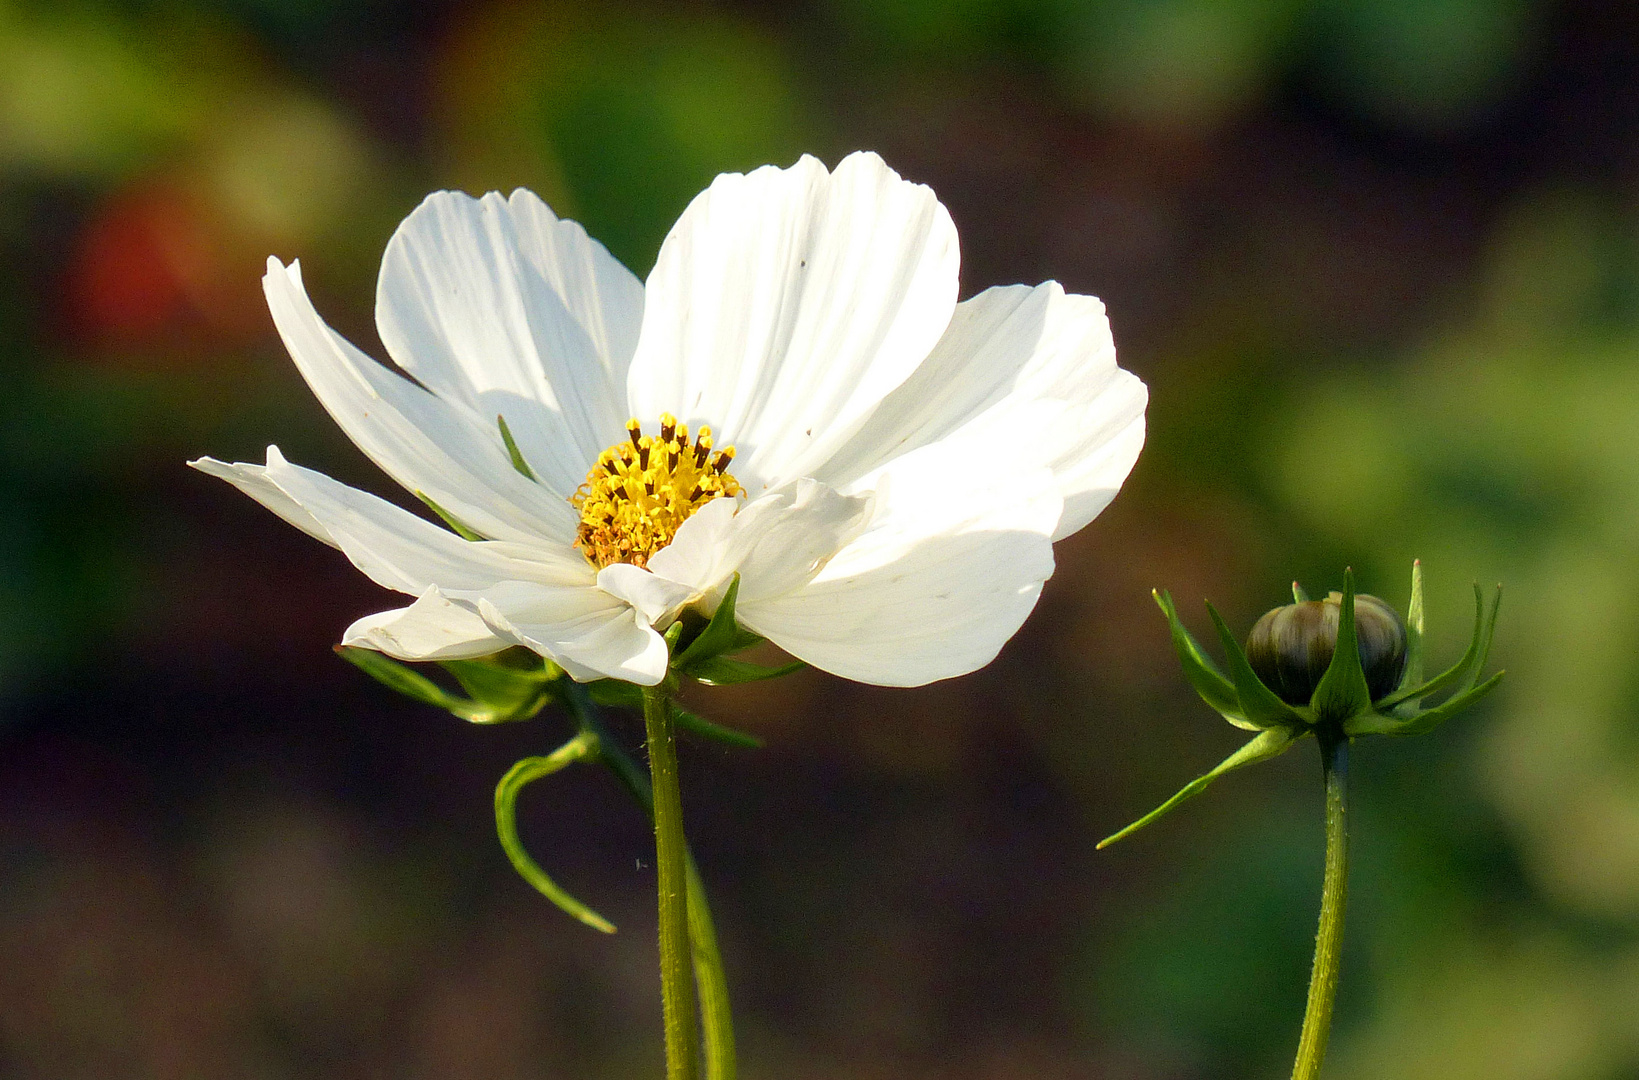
(1291, 647)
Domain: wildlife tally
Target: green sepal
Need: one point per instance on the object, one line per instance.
(580, 748)
(495, 699)
(449, 519)
(695, 724)
(1471, 663)
(512, 450)
(396, 676)
(1258, 704)
(1420, 723)
(1407, 719)
(1485, 642)
(615, 693)
(1299, 596)
(1203, 674)
(727, 671)
(1429, 719)
(1264, 745)
(722, 634)
(412, 684)
(1343, 691)
(513, 693)
(1414, 630)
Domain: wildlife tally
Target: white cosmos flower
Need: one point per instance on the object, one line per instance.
(904, 462)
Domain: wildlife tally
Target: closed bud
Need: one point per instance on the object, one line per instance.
(1291, 647)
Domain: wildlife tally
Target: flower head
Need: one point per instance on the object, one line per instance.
(1292, 647)
(1338, 668)
(794, 401)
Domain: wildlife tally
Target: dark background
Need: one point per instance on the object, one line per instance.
(1378, 261)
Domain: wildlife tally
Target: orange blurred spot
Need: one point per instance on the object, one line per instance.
(129, 278)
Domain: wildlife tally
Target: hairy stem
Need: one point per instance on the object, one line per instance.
(1334, 898)
(717, 1019)
(671, 865)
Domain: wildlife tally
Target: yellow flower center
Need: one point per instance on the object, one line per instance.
(641, 491)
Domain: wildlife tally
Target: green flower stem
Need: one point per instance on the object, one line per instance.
(717, 1019)
(671, 865)
(1334, 898)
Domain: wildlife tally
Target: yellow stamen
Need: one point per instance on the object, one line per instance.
(636, 496)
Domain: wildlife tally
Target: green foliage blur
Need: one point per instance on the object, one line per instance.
(1378, 261)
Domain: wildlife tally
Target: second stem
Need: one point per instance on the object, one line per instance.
(671, 868)
(1334, 899)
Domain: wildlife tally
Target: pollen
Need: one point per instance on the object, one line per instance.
(642, 490)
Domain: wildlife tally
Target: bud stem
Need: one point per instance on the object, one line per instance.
(1334, 898)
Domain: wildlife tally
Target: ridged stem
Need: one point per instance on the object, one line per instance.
(717, 1018)
(671, 867)
(1334, 899)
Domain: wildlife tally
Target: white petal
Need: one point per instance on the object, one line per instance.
(656, 599)
(1030, 372)
(696, 555)
(934, 587)
(542, 599)
(590, 633)
(798, 544)
(1090, 483)
(501, 305)
(786, 303)
(394, 547)
(432, 628)
(253, 481)
(441, 449)
(776, 543)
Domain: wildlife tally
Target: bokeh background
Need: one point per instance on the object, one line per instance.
(1378, 261)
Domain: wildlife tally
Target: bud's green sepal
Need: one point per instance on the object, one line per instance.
(1322, 679)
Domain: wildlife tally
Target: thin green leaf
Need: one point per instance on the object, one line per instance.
(727, 671)
(1264, 745)
(512, 450)
(1209, 681)
(449, 519)
(721, 635)
(1343, 691)
(1409, 696)
(695, 724)
(1298, 595)
(580, 748)
(1257, 703)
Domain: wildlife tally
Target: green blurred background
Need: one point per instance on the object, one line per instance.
(1378, 261)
